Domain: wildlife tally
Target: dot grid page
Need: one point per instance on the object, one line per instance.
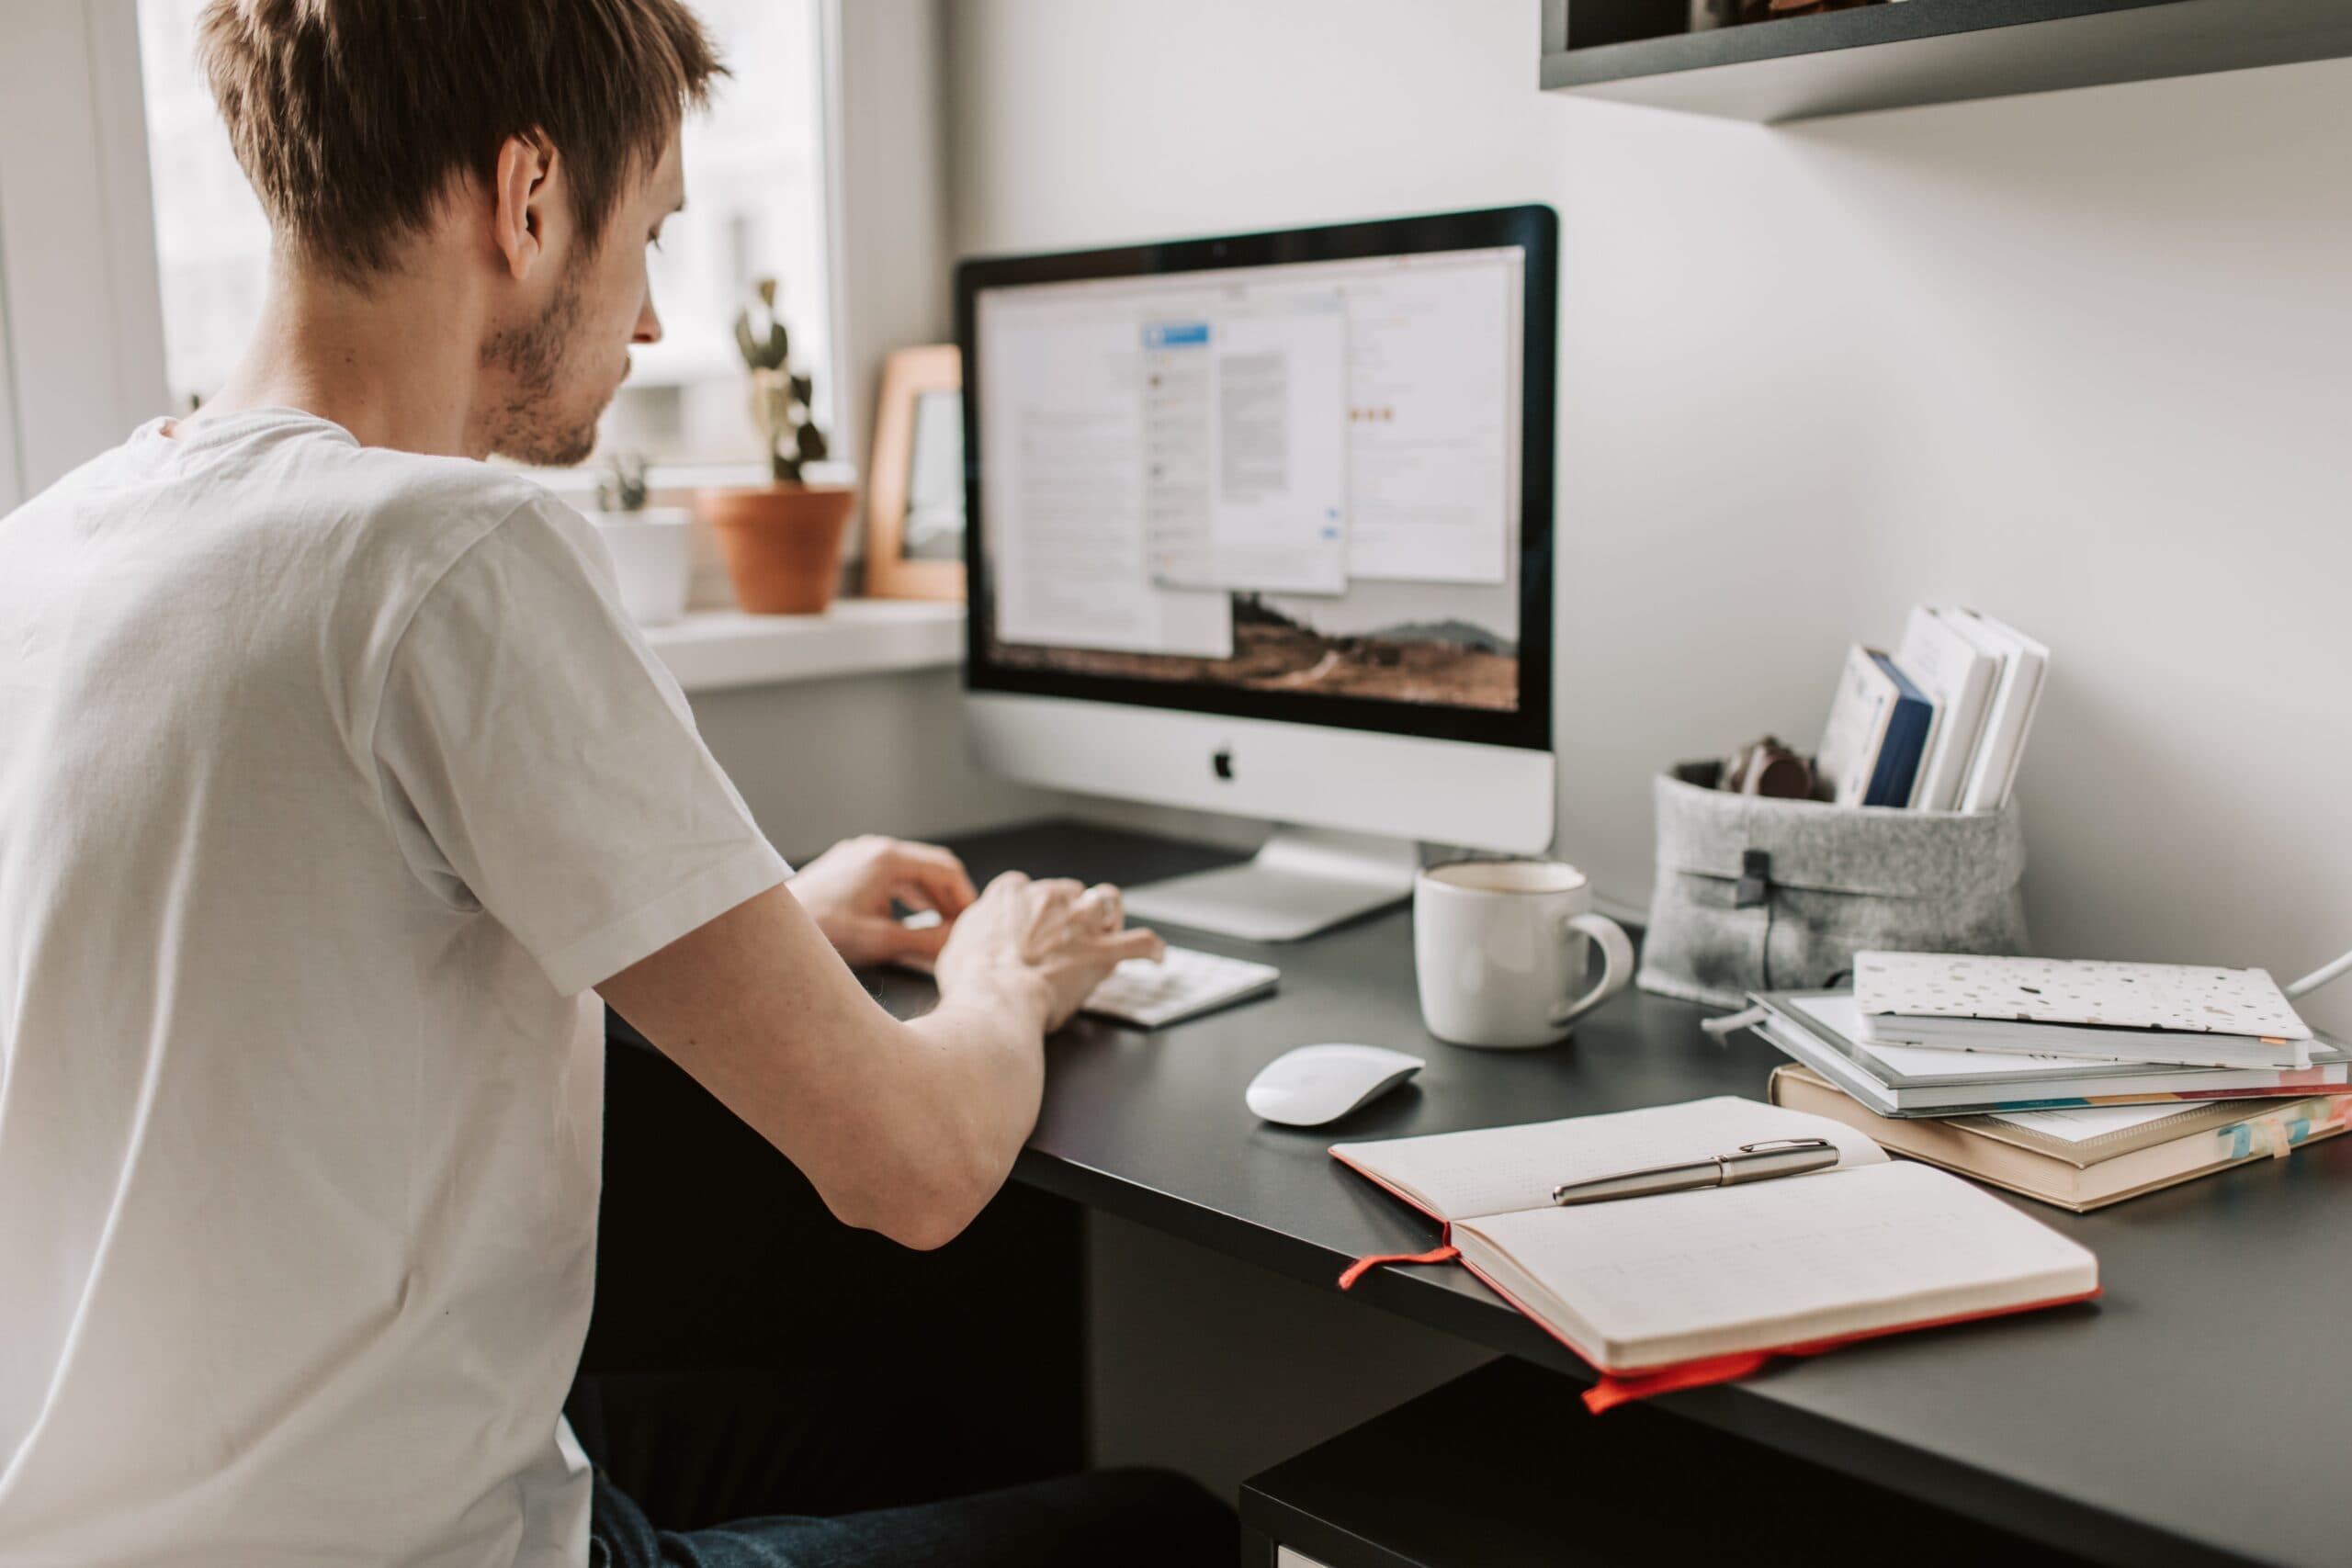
(1875, 1247)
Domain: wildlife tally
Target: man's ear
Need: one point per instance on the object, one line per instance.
(523, 200)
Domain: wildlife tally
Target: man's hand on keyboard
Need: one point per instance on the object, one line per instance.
(1057, 935)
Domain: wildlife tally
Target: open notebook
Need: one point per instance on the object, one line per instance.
(1688, 1288)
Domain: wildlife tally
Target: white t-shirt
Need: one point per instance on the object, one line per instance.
(332, 779)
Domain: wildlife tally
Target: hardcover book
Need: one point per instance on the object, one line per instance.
(2084, 1157)
(1823, 1030)
(1877, 733)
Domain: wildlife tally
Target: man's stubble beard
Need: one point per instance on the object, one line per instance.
(527, 424)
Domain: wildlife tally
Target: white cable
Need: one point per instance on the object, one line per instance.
(2321, 976)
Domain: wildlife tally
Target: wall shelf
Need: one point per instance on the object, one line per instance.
(1926, 51)
(714, 649)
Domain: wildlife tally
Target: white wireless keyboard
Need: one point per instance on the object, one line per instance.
(1185, 983)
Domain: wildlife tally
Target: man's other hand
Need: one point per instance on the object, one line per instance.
(850, 888)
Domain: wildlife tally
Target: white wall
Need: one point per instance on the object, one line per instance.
(819, 760)
(2078, 359)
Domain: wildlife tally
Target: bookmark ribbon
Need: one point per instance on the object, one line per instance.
(1731, 1023)
(1364, 1266)
(1613, 1390)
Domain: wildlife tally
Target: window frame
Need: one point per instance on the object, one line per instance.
(12, 491)
(77, 234)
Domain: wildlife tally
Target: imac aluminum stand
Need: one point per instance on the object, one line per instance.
(1303, 881)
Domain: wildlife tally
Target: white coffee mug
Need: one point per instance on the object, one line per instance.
(1498, 947)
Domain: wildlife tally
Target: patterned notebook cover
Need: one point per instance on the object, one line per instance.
(2180, 997)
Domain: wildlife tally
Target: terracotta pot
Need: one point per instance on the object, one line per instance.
(782, 544)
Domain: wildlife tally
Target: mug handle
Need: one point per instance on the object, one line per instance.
(1616, 963)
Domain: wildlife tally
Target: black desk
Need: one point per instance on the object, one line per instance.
(2192, 1416)
(1484, 1473)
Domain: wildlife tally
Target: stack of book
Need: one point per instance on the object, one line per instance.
(1941, 724)
(2077, 1083)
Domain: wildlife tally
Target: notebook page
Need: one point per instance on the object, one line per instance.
(1653, 1280)
(1495, 1169)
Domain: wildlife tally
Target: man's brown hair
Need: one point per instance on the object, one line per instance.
(352, 118)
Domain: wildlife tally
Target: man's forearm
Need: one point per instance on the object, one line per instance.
(903, 1128)
(978, 1078)
(907, 1129)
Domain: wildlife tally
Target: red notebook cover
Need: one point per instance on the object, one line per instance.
(1617, 1387)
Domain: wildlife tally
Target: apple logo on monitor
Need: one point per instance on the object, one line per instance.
(1223, 761)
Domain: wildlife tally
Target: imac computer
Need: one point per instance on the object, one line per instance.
(1262, 525)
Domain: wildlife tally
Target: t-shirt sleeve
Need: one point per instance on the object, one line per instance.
(538, 764)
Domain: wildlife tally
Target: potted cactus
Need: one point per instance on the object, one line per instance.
(650, 547)
(782, 540)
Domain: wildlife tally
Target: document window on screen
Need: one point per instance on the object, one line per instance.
(1300, 478)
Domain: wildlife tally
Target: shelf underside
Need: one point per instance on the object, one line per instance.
(1932, 52)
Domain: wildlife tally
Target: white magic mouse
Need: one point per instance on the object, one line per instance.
(1316, 1084)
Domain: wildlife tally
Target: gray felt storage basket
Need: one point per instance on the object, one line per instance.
(1757, 894)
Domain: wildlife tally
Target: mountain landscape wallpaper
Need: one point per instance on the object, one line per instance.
(1449, 662)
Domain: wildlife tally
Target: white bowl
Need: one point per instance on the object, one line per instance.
(652, 561)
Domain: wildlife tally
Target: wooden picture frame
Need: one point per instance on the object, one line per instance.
(909, 377)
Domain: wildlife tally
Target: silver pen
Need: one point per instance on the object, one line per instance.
(1751, 1162)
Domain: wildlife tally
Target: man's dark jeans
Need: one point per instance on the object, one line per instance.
(729, 1470)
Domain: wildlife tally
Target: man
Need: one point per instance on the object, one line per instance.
(334, 791)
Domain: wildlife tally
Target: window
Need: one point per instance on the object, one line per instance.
(211, 242)
(755, 205)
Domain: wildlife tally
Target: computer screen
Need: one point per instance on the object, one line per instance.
(1284, 475)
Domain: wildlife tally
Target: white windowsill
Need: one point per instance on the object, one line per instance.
(714, 649)
(578, 485)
